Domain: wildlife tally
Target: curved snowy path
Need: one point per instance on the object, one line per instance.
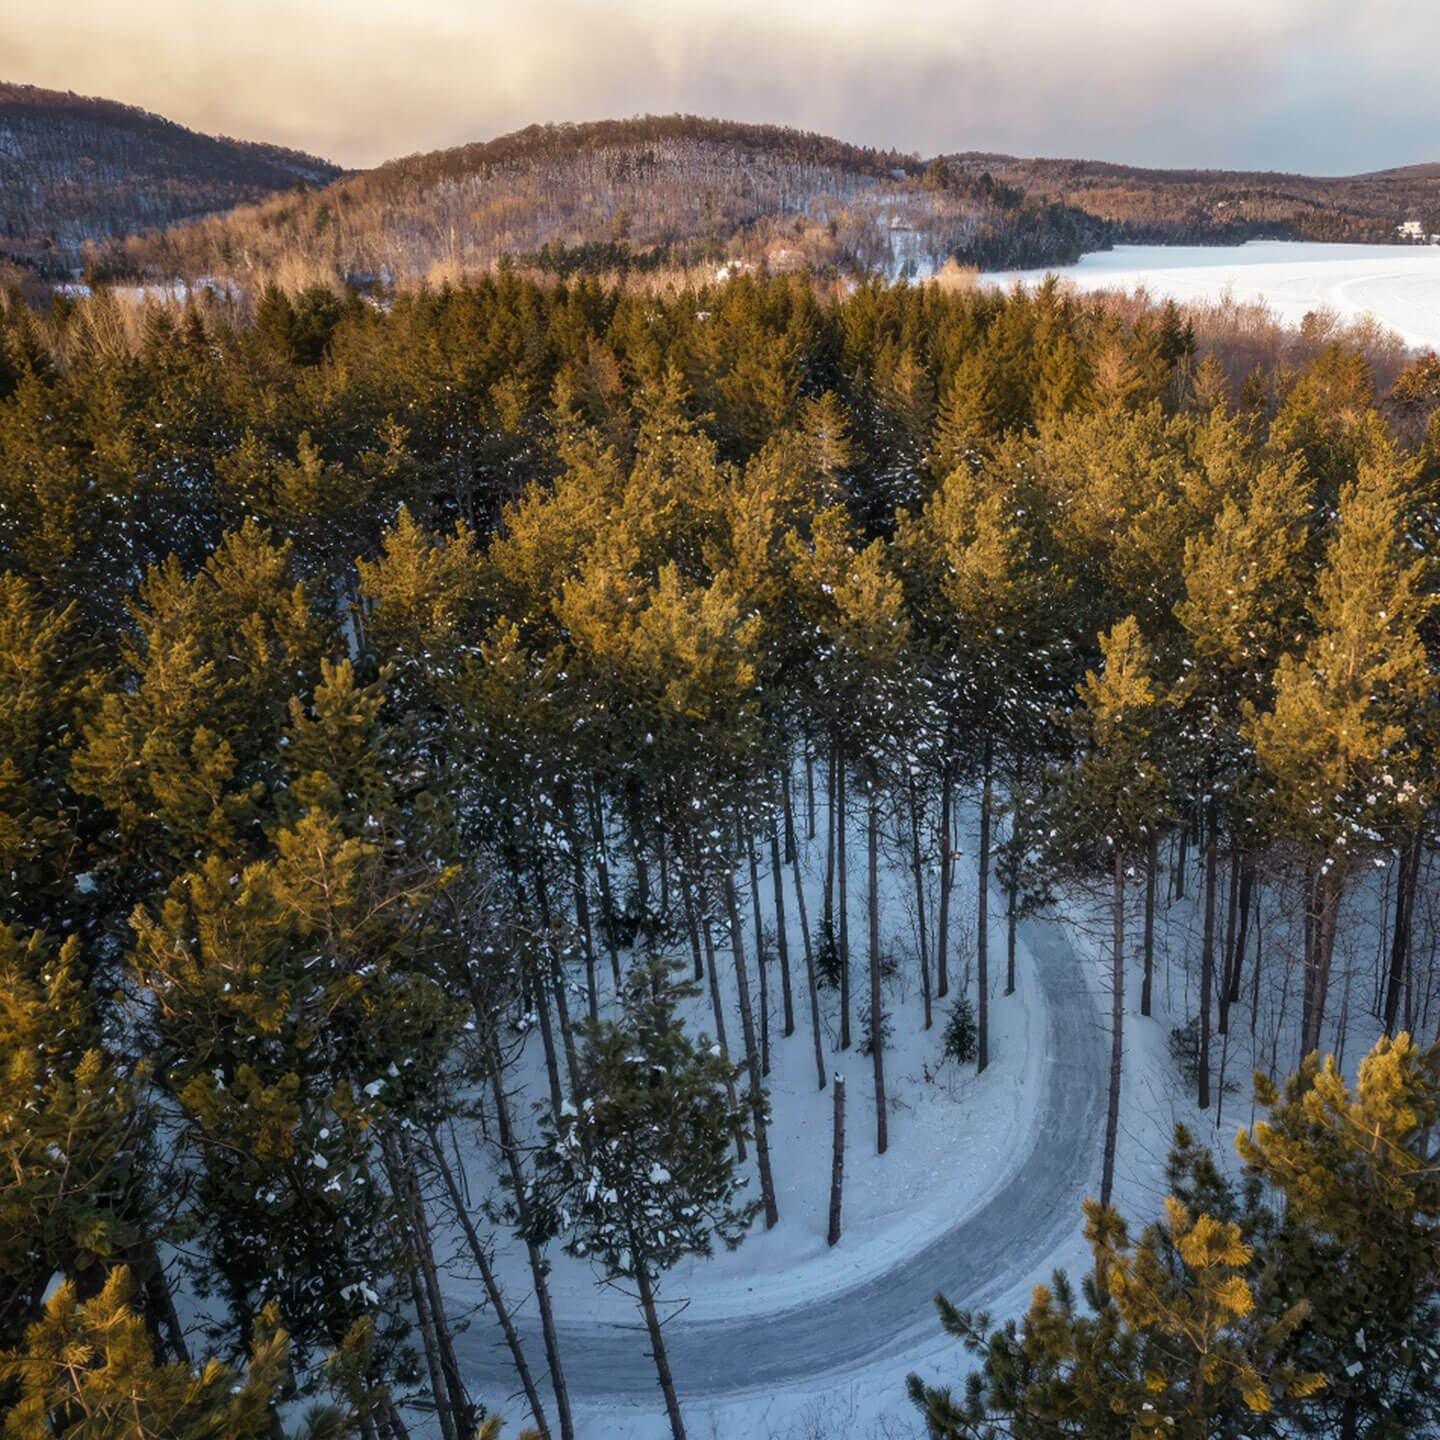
(985, 1254)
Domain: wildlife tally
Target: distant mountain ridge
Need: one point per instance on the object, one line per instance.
(659, 191)
(1148, 205)
(75, 169)
(133, 196)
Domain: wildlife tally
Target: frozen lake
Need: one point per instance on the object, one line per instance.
(1397, 284)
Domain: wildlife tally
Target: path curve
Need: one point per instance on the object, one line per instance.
(984, 1255)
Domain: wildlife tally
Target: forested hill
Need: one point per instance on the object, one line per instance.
(76, 169)
(671, 191)
(138, 198)
(1189, 206)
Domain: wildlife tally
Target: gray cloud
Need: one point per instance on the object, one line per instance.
(1320, 85)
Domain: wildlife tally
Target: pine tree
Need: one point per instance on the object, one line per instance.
(181, 753)
(76, 1139)
(1172, 1343)
(1357, 1239)
(1339, 741)
(294, 1009)
(87, 1369)
(640, 1174)
(43, 697)
(1245, 583)
(983, 614)
(1108, 804)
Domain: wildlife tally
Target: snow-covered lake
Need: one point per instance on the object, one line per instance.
(1397, 284)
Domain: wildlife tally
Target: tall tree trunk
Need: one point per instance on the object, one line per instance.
(557, 981)
(448, 1421)
(1179, 890)
(1010, 922)
(1330, 886)
(842, 948)
(1405, 885)
(1231, 995)
(782, 940)
(1242, 928)
(827, 910)
(602, 865)
(461, 1406)
(1117, 1023)
(431, 1347)
(809, 791)
(877, 1012)
(1152, 863)
(837, 1161)
(534, 989)
(582, 904)
(636, 831)
(982, 936)
(691, 928)
(716, 1005)
(1227, 952)
(492, 1288)
(1012, 886)
(1312, 930)
(752, 1059)
(393, 1423)
(1255, 977)
(160, 1302)
(1207, 966)
(538, 1266)
(657, 1349)
(917, 867)
(947, 878)
(761, 961)
(810, 981)
(547, 1040)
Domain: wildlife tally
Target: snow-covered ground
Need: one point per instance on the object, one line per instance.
(953, 1136)
(1398, 285)
(978, 1195)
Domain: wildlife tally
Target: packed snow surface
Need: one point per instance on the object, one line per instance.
(979, 1197)
(1399, 285)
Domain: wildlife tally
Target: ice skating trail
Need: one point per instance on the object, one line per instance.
(981, 1257)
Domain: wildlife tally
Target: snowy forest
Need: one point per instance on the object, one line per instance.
(76, 170)
(674, 192)
(517, 797)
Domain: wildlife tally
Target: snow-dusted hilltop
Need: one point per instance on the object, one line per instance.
(75, 169)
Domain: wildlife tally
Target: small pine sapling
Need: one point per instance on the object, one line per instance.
(960, 1037)
(642, 1172)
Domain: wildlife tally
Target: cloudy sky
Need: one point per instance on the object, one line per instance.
(1326, 86)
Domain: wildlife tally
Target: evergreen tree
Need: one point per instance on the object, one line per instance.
(1108, 804)
(44, 692)
(640, 1174)
(1174, 1344)
(1356, 1243)
(87, 1369)
(76, 1141)
(1339, 741)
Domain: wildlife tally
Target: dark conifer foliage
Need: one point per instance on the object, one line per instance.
(394, 695)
